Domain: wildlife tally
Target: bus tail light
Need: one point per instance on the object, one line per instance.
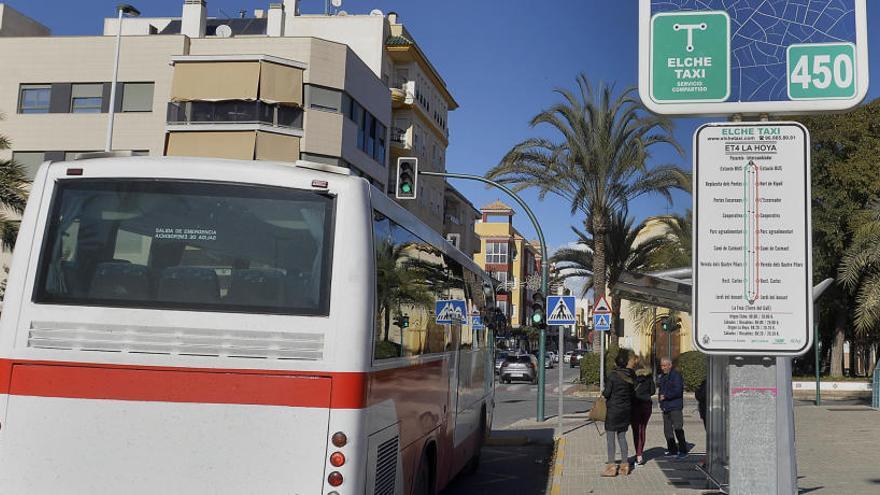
(337, 459)
(339, 439)
(335, 479)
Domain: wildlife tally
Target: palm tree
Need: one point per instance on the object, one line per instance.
(599, 164)
(624, 251)
(13, 196)
(859, 271)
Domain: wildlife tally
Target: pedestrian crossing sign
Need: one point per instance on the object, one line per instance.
(561, 310)
(450, 311)
(601, 322)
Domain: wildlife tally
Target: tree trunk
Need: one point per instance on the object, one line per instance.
(599, 230)
(837, 343)
(615, 318)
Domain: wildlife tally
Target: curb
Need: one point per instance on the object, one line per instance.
(557, 465)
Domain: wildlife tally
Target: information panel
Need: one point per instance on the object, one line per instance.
(752, 273)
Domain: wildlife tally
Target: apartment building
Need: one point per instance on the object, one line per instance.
(275, 86)
(511, 260)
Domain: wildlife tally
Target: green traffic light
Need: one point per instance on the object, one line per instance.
(537, 317)
(406, 187)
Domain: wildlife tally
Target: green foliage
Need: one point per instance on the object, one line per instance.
(860, 270)
(13, 196)
(595, 158)
(590, 368)
(693, 367)
(386, 349)
(590, 364)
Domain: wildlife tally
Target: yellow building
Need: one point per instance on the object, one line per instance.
(510, 259)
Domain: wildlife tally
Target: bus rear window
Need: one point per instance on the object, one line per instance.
(187, 245)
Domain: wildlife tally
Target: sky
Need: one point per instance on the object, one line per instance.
(501, 60)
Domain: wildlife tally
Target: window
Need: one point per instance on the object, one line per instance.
(496, 252)
(371, 134)
(86, 98)
(137, 97)
(30, 161)
(411, 275)
(324, 98)
(34, 98)
(381, 132)
(502, 278)
(124, 243)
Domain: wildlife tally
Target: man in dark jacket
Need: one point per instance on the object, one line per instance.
(671, 403)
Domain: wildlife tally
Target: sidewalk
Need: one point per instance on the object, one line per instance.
(832, 443)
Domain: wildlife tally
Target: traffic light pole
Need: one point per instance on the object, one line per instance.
(542, 348)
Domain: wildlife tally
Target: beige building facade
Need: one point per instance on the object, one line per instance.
(275, 86)
(511, 260)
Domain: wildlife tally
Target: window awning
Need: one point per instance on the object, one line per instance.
(281, 84)
(215, 81)
(237, 80)
(279, 147)
(215, 144)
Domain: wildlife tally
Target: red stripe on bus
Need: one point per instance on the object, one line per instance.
(161, 384)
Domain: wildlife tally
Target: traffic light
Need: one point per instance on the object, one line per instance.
(401, 321)
(407, 178)
(670, 324)
(538, 317)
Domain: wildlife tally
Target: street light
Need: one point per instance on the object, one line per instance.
(122, 9)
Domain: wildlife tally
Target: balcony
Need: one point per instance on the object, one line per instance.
(235, 112)
(398, 138)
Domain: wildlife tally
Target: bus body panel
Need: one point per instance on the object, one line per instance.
(87, 446)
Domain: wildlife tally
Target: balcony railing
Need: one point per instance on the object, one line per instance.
(238, 112)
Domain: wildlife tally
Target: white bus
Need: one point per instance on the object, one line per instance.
(202, 326)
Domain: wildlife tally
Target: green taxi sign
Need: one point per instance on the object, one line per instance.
(690, 57)
(822, 71)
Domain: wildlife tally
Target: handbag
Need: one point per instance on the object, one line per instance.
(599, 410)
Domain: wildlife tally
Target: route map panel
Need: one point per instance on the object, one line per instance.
(752, 267)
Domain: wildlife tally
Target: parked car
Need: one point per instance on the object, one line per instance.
(554, 356)
(548, 360)
(519, 367)
(499, 358)
(567, 358)
(575, 359)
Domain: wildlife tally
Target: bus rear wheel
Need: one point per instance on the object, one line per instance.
(424, 482)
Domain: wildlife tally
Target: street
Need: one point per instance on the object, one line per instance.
(509, 464)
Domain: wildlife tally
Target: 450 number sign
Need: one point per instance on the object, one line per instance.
(822, 71)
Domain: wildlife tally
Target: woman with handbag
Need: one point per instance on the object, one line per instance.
(642, 405)
(618, 396)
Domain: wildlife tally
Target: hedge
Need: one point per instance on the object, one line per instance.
(590, 365)
(692, 366)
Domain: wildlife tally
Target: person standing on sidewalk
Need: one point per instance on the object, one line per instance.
(644, 389)
(618, 395)
(671, 403)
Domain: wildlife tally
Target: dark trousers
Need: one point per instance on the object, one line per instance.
(673, 429)
(641, 413)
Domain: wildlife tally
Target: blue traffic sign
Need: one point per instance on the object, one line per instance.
(561, 310)
(477, 322)
(450, 311)
(601, 322)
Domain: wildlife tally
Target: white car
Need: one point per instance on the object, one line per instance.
(567, 358)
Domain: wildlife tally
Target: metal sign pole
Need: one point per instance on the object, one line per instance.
(601, 361)
(559, 351)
